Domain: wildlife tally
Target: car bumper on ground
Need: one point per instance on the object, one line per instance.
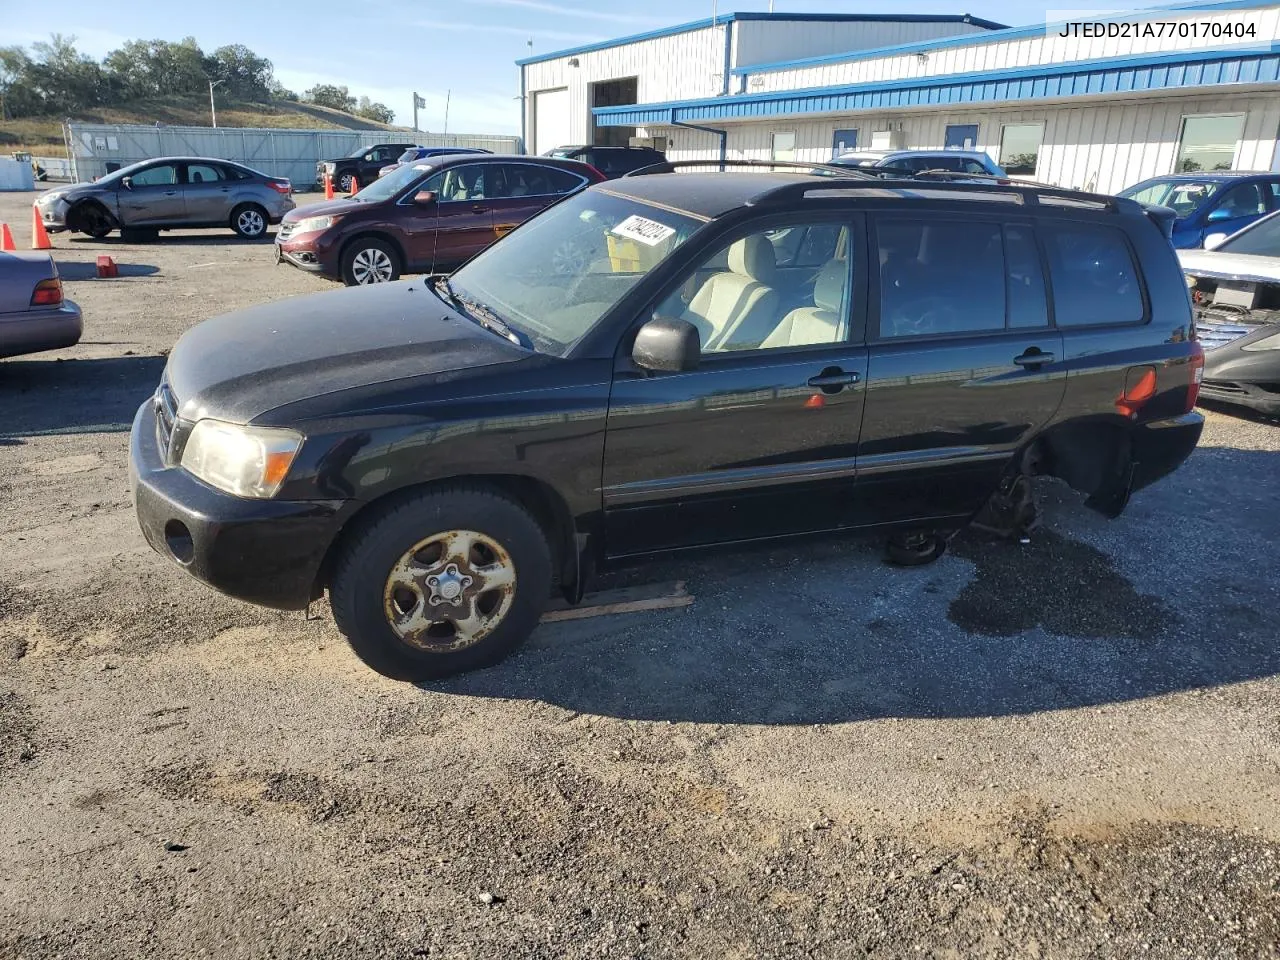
(33, 331)
(1263, 397)
(267, 552)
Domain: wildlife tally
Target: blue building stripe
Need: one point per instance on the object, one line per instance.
(1168, 70)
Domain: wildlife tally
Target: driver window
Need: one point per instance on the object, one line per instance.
(161, 176)
(743, 298)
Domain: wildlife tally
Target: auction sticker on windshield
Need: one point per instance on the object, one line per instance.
(649, 232)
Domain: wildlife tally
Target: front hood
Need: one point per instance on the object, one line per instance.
(325, 208)
(241, 365)
(1223, 264)
(69, 189)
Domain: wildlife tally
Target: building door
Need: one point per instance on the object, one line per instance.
(842, 141)
(962, 136)
(613, 93)
(550, 119)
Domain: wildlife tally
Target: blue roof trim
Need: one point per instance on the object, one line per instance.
(997, 35)
(783, 17)
(1057, 80)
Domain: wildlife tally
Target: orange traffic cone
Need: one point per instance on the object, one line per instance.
(328, 187)
(39, 237)
(6, 238)
(355, 186)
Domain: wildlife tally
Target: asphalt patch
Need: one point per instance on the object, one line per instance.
(1066, 587)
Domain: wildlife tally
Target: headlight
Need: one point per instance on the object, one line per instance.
(1266, 343)
(1191, 282)
(314, 224)
(51, 196)
(245, 461)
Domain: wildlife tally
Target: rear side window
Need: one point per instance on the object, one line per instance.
(1094, 278)
(940, 277)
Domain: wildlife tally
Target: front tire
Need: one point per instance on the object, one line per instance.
(345, 182)
(249, 221)
(916, 549)
(369, 260)
(92, 220)
(440, 583)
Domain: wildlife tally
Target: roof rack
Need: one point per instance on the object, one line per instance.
(960, 183)
(671, 166)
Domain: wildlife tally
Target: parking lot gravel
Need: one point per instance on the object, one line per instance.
(1068, 748)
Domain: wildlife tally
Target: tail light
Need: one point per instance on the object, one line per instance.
(48, 293)
(1197, 374)
(281, 186)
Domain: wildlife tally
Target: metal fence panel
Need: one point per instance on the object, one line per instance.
(278, 153)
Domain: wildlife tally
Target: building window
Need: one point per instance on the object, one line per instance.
(783, 146)
(1020, 148)
(961, 136)
(843, 141)
(1209, 143)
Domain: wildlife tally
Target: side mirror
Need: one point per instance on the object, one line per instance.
(368, 157)
(424, 197)
(1217, 216)
(126, 182)
(1214, 240)
(667, 344)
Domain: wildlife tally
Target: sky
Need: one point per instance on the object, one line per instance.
(462, 51)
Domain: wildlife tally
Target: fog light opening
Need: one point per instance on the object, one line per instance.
(178, 538)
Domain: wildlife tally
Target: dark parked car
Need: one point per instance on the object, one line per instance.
(428, 216)
(611, 161)
(1236, 291)
(33, 313)
(422, 153)
(1209, 203)
(745, 356)
(360, 165)
(170, 192)
(951, 161)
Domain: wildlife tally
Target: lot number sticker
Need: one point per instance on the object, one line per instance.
(649, 232)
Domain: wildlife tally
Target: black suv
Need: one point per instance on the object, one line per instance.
(361, 167)
(737, 356)
(611, 161)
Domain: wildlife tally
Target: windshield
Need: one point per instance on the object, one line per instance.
(1181, 196)
(410, 154)
(554, 278)
(1261, 239)
(384, 188)
(359, 152)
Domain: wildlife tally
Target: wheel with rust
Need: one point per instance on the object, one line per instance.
(441, 582)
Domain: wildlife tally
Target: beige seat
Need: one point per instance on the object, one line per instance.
(736, 309)
(821, 322)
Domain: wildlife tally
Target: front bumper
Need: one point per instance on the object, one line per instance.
(1249, 378)
(313, 252)
(33, 331)
(1265, 398)
(267, 552)
(53, 215)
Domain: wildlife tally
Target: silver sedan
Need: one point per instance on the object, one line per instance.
(34, 315)
(167, 193)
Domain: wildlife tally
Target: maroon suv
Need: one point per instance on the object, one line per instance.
(428, 216)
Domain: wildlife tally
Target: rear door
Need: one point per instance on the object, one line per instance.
(521, 189)
(153, 198)
(206, 193)
(963, 367)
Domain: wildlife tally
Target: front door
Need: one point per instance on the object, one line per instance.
(964, 365)
(153, 197)
(762, 438)
(464, 216)
(1234, 209)
(207, 194)
(961, 136)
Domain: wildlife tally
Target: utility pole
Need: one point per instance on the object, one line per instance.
(213, 110)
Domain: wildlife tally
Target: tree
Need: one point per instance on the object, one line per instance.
(278, 91)
(62, 78)
(372, 110)
(246, 75)
(328, 95)
(17, 99)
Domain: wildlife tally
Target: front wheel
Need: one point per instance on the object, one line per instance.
(249, 221)
(346, 182)
(442, 582)
(369, 260)
(915, 549)
(91, 220)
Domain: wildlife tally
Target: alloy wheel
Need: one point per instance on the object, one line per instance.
(251, 223)
(371, 265)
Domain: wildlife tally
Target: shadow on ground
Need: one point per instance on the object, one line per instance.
(42, 397)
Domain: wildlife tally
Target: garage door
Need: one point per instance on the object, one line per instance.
(550, 119)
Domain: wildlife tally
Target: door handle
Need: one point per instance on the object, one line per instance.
(1034, 358)
(833, 380)
(479, 208)
(171, 193)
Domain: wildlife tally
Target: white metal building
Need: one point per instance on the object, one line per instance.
(1190, 87)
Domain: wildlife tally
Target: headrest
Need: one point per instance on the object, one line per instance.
(752, 257)
(828, 290)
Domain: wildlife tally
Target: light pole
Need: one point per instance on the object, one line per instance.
(213, 111)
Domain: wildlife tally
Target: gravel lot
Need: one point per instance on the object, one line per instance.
(1065, 749)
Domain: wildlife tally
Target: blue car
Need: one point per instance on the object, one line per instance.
(1208, 203)
(414, 154)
